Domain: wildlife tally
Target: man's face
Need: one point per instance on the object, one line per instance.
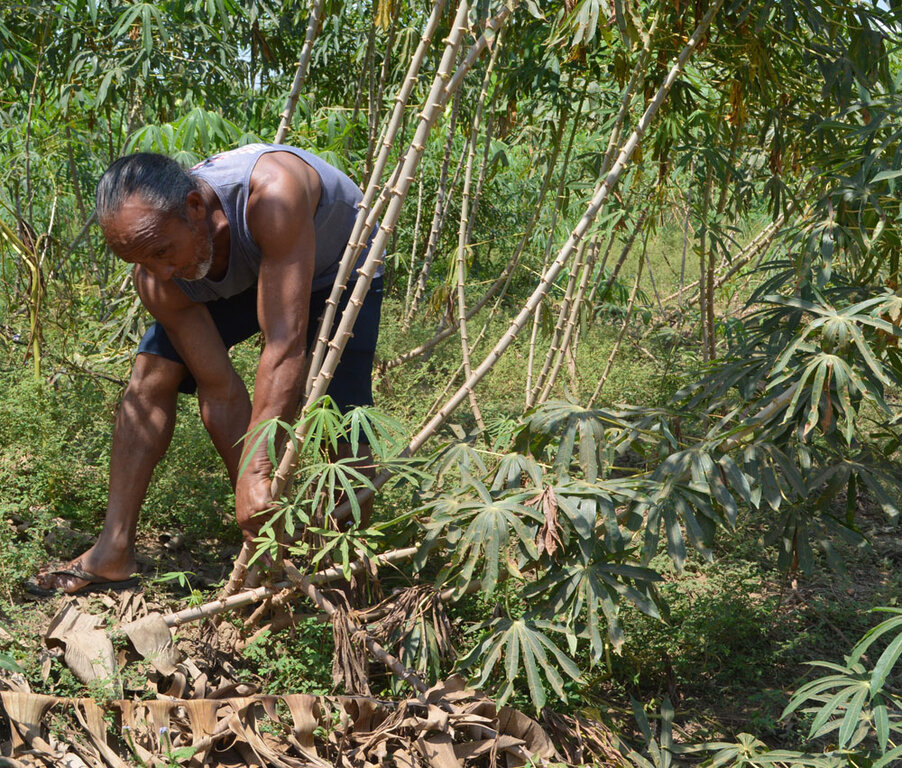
(166, 246)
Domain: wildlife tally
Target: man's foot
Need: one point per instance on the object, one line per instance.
(87, 573)
(75, 580)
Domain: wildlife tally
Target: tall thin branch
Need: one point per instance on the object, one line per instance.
(503, 280)
(572, 323)
(301, 73)
(438, 215)
(463, 241)
(368, 213)
(532, 390)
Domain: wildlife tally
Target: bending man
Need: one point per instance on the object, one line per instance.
(248, 240)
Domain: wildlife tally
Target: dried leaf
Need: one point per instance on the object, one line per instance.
(439, 751)
(365, 713)
(152, 639)
(93, 722)
(71, 760)
(159, 710)
(514, 723)
(436, 720)
(131, 732)
(548, 538)
(305, 713)
(440, 729)
(440, 691)
(403, 759)
(582, 740)
(88, 650)
(14, 681)
(473, 749)
(202, 717)
(25, 712)
(245, 727)
(178, 685)
(349, 661)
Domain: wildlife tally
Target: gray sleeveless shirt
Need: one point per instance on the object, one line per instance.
(228, 174)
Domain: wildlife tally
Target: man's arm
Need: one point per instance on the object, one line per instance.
(283, 198)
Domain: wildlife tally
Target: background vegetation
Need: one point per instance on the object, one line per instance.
(678, 484)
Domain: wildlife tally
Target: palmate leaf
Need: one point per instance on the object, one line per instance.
(483, 531)
(750, 752)
(851, 700)
(844, 350)
(203, 132)
(486, 537)
(869, 470)
(453, 458)
(323, 483)
(664, 513)
(708, 476)
(511, 469)
(384, 434)
(657, 752)
(265, 434)
(526, 649)
(323, 426)
(799, 528)
(570, 426)
(777, 474)
(590, 512)
(598, 587)
(441, 514)
(345, 547)
(689, 495)
(885, 664)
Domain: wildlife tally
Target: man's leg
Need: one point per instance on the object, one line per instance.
(142, 433)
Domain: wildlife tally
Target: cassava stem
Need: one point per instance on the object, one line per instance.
(301, 72)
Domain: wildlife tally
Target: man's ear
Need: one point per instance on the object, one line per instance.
(195, 207)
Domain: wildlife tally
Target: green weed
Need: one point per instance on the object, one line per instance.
(299, 662)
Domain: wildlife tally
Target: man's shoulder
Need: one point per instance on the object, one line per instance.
(240, 154)
(281, 181)
(283, 172)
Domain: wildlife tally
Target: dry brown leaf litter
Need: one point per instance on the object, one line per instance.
(199, 716)
(449, 726)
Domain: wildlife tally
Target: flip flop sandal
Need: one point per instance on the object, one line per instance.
(95, 583)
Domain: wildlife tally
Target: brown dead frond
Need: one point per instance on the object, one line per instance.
(88, 651)
(350, 665)
(414, 623)
(581, 740)
(548, 538)
(446, 727)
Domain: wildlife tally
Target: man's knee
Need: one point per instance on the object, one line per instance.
(155, 377)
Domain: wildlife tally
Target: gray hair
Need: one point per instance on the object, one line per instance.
(158, 179)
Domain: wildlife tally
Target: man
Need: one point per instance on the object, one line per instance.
(247, 240)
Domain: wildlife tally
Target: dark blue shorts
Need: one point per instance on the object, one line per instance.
(236, 320)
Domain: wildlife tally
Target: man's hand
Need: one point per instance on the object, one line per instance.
(253, 500)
